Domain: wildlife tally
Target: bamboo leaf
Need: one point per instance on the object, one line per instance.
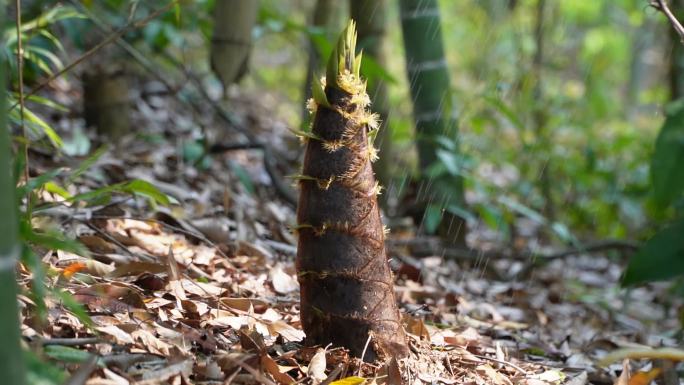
(667, 172)
(318, 93)
(146, 189)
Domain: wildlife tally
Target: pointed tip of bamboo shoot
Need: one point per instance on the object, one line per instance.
(343, 58)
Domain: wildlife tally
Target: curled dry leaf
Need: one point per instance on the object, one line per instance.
(316, 368)
(243, 304)
(119, 335)
(151, 343)
(283, 283)
(493, 375)
(289, 333)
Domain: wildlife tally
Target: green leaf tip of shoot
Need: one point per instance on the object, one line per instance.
(343, 57)
(318, 93)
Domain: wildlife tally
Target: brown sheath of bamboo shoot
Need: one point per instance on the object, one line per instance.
(347, 291)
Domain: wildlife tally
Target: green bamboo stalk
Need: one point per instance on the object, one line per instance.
(11, 357)
(231, 42)
(371, 23)
(433, 107)
(322, 15)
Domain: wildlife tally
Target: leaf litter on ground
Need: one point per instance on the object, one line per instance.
(204, 290)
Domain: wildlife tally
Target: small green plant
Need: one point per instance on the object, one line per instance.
(662, 257)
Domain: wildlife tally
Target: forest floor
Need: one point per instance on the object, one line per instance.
(204, 290)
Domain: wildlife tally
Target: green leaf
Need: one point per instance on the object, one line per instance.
(57, 189)
(661, 258)
(451, 160)
(45, 102)
(492, 216)
(243, 176)
(86, 164)
(433, 215)
(52, 240)
(40, 372)
(146, 189)
(46, 128)
(37, 182)
(66, 354)
(101, 194)
(667, 164)
(38, 287)
(318, 93)
(523, 210)
(506, 111)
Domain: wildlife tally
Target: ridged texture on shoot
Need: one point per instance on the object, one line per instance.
(347, 290)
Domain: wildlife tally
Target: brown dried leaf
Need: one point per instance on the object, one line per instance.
(119, 335)
(151, 343)
(137, 267)
(493, 375)
(269, 366)
(288, 332)
(243, 304)
(97, 244)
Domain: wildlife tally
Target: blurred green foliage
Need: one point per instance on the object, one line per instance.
(602, 101)
(604, 82)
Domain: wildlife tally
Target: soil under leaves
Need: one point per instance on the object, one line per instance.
(204, 291)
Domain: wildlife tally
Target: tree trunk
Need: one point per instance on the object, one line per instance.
(347, 290)
(433, 107)
(231, 42)
(371, 21)
(11, 355)
(321, 18)
(105, 101)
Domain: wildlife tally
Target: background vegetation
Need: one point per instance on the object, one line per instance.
(569, 121)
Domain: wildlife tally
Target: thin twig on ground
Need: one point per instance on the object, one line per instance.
(72, 341)
(430, 246)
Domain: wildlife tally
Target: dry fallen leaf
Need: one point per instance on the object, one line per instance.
(316, 368)
(283, 283)
(121, 336)
(353, 380)
(271, 367)
(289, 333)
(495, 376)
(644, 378)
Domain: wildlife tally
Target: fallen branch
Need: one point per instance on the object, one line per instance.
(431, 246)
(72, 341)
